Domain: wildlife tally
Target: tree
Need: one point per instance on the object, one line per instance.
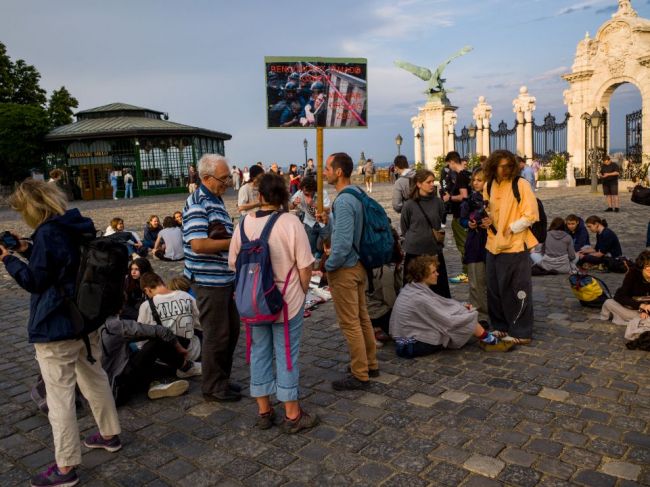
(59, 109)
(6, 82)
(27, 90)
(22, 132)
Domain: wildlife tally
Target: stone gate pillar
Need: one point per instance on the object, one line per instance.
(482, 113)
(450, 122)
(433, 115)
(523, 106)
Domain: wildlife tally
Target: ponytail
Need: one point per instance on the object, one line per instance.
(593, 219)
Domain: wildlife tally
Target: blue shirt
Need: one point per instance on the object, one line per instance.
(346, 220)
(607, 243)
(529, 175)
(201, 209)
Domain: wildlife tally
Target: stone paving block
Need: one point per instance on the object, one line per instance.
(386, 378)
(553, 394)
(176, 469)
(455, 396)
(554, 467)
(483, 465)
(637, 438)
(519, 476)
(422, 400)
(405, 480)
(621, 470)
(373, 400)
(592, 478)
(518, 457)
(446, 474)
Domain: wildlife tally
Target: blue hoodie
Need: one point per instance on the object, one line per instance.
(50, 274)
(580, 236)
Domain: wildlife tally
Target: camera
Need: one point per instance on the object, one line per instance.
(8, 241)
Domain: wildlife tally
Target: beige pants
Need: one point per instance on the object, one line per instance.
(478, 288)
(348, 288)
(619, 314)
(63, 365)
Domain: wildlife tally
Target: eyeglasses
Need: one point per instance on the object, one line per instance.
(228, 179)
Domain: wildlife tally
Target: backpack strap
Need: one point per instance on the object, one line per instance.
(154, 312)
(360, 195)
(266, 232)
(242, 234)
(515, 188)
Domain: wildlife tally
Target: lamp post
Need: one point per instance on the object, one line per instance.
(594, 119)
(305, 144)
(398, 142)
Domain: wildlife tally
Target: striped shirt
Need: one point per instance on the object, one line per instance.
(202, 208)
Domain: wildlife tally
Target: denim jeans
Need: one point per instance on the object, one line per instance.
(115, 192)
(313, 234)
(128, 190)
(265, 340)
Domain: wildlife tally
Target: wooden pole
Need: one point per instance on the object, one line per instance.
(319, 167)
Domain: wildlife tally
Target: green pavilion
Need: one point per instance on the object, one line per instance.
(116, 137)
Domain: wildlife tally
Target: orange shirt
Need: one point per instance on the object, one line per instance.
(506, 212)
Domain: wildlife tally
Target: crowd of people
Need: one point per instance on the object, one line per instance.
(166, 331)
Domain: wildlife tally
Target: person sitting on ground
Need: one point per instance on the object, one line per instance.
(177, 311)
(631, 300)
(131, 371)
(248, 198)
(558, 255)
(424, 322)
(116, 231)
(291, 262)
(169, 243)
(178, 218)
(134, 297)
(607, 245)
(182, 283)
(576, 228)
(151, 230)
(382, 292)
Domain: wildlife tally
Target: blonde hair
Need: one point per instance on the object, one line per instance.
(180, 283)
(478, 174)
(38, 201)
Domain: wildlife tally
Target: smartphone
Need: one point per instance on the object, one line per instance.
(9, 241)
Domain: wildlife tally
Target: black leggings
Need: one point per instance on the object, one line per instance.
(416, 349)
(141, 370)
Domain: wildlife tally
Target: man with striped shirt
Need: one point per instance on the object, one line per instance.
(207, 229)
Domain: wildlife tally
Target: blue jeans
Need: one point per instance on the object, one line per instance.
(128, 190)
(313, 234)
(115, 192)
(265, 340)
(647, 238)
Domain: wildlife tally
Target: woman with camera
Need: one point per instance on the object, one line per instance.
(49, 275)
(421, 221)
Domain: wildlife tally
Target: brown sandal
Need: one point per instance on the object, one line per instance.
(519, 341)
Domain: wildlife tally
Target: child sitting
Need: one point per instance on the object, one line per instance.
(116, 231)
(607, 246)
(130, 371)
(134, 296)
(182, 283)
(472, 211)
(169, 243)
(577, 230)
(175, 310)
(558, 255)
(151, 230)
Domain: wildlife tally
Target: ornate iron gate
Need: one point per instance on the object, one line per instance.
(504, 138)
(465, 144)
(595, 148)
(633, 143)
(550, 138)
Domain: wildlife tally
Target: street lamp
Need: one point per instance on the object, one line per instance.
(398, 142)
(472, 130)
(305, 144)
(594, 120)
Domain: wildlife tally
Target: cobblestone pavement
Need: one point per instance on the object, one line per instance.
(572, 409)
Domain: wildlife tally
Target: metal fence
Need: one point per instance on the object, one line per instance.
(550, 138)
(465, 144)
(504, 138)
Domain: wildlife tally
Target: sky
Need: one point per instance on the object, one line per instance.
(203, 61)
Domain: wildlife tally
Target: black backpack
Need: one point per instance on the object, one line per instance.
(99, 288)
(539, 227)
(641, 195)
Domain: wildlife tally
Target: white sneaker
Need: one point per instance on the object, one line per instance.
(194, 369)
(173, 389)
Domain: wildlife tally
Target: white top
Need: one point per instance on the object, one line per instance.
(309, 209)
(179, 313)
(173, 238)
(247, 194)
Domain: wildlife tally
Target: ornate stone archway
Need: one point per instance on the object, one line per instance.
(620, 53)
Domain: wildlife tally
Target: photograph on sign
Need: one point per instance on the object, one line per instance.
(316, 92)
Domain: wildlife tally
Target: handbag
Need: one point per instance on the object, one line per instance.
(438, 235)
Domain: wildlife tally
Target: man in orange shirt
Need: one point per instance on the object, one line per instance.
(512, 209)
